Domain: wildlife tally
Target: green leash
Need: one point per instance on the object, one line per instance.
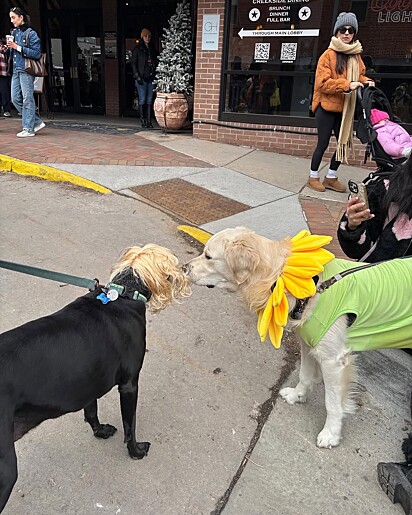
(90, 284)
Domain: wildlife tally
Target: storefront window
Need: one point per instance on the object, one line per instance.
(272, 48)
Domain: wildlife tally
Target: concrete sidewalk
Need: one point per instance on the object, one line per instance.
(271, 186)
(283, 472)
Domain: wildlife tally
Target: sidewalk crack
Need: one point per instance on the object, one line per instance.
(292, 356)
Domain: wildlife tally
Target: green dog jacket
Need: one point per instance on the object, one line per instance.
(379, 296)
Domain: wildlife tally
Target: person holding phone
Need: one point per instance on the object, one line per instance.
(23, 42)
(340, 71)
(384, 230)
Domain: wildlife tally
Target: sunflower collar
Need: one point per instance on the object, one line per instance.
(306, 260)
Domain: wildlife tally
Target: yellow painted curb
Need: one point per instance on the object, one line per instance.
(10, 164)
(197, 234)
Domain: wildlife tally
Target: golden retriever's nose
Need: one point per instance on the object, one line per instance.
(186, 268)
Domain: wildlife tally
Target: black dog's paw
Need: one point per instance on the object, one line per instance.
(104, 431)
(139, 450)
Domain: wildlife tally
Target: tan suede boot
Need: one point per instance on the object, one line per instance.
(315, 184)
(334, 184)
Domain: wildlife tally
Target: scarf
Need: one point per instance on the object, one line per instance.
(345, 141)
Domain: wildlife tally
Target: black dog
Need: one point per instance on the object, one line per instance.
(64, 362)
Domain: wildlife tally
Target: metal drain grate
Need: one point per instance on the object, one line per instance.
(192, 203)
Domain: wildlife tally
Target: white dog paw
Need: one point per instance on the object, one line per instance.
(327, 440)
(291, 396)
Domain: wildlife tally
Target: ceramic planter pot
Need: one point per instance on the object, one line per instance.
(170, 110)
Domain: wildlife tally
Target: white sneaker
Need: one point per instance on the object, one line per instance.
(39, 127)
(25, 134)
(6, 114)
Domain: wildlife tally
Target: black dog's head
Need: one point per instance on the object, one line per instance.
(156, 270)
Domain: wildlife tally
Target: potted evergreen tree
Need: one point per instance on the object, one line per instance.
(173, 73)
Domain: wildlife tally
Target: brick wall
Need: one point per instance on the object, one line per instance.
(206, 105)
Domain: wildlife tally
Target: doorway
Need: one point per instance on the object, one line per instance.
(75, 42)
(134, 15)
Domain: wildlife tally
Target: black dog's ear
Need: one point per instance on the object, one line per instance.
(242, 259)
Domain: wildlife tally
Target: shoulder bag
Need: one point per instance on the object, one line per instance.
(35, 67)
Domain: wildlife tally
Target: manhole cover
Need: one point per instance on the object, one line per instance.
(193, 203)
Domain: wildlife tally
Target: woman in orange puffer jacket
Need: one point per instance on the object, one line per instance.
(340, 71)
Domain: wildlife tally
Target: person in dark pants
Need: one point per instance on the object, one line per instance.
(340, 71)
(144, 60)
(381, 232)
(4, 79)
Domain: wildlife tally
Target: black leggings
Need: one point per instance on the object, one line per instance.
(327, 122)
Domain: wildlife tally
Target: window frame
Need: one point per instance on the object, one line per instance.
(272, 119)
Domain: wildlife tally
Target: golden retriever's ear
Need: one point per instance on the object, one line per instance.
(242, 259)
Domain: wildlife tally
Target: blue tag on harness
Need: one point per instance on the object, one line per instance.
(103, 297)
(111, 295)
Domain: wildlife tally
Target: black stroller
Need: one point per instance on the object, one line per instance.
(373, 98)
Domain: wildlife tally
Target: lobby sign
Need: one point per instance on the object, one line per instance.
(283, 19)
(210, 31)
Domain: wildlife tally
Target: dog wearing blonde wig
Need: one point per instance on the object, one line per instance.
(64, 362)
(241, 261)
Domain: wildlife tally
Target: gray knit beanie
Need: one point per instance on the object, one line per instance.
(345, 19)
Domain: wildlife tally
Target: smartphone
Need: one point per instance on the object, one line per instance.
(358, 189)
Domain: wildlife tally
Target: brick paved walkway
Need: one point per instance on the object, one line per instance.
(323, 217)
(79, 147)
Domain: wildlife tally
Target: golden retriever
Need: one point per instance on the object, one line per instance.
(240, 260)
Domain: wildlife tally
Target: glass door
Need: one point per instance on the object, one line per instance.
(76, 61)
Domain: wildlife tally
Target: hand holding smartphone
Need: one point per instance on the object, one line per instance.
(357, 211)
(358, 189)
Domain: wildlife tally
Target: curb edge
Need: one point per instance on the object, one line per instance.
(10, 164)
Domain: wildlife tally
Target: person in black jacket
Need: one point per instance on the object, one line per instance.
(144, 59)
(384, 231)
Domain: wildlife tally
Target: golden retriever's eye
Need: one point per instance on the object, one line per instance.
(207, 256)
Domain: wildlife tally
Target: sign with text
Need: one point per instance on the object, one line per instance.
(210, 31)
(277, 33)
(280, 14)
(110, 45)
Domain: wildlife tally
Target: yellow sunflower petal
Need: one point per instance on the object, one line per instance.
(310, 243)
(299, 287)
(278, 292)
(263, 326)
(281, 312)
(300, 235)
(309, 271)
(259, 322)
(275, 335)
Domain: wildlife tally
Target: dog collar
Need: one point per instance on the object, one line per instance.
(123, 291)
(128, 285)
